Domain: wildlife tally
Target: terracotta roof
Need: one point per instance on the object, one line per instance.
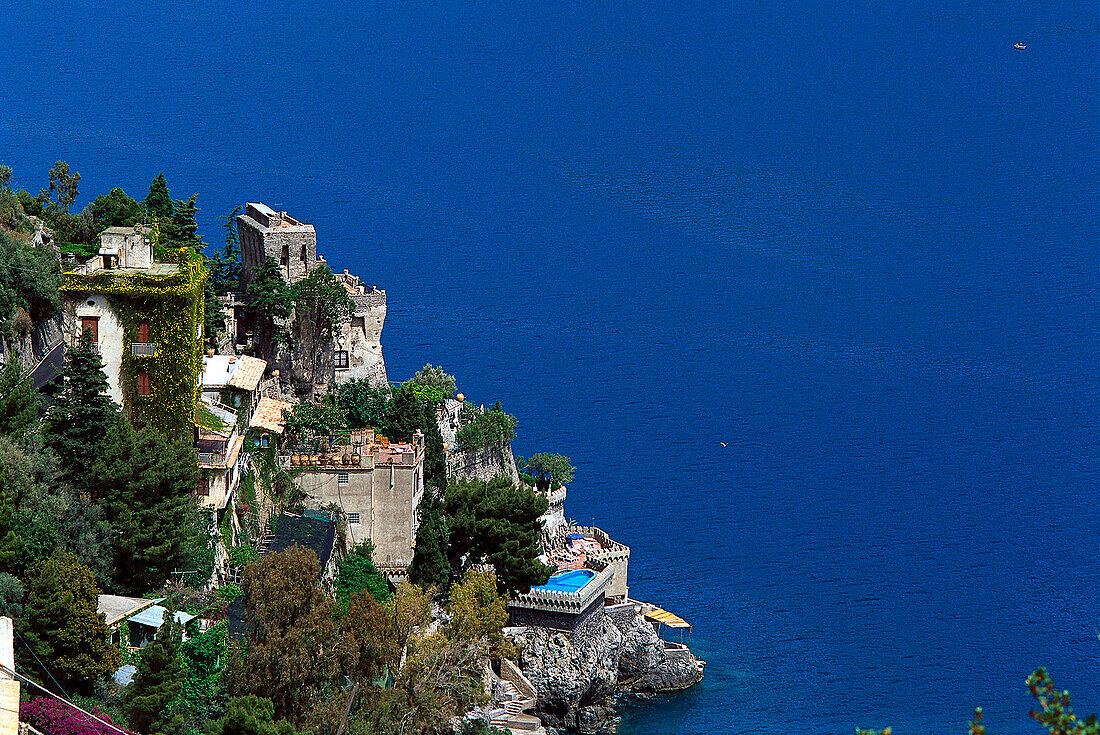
(248, 373)
(269, 415)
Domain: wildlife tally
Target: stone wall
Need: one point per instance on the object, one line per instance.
(361, 336)
(486, 463)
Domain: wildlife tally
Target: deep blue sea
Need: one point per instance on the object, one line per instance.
(857, 242)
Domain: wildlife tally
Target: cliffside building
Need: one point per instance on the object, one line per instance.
(145, 318)
(263, 232)
(377, 483)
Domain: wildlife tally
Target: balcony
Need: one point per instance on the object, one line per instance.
(143, 349)
(211, 458)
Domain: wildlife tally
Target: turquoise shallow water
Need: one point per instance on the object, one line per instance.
(856, 243)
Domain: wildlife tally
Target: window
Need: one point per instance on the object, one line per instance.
(285, 258)
(143, 332)
(305, 255)
(265, 441)
(342, 478)
(90, 325)
(204, 487)
(341, 359)
(353, 519)
(145, 386)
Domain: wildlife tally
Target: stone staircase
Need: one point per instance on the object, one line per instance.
(512, 717)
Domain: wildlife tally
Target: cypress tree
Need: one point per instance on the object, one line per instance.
(158, 201)
(431, 566)
(159, 678)
(146, 483)
(61, 624)
(185, 227)
(19, 401)
(82, 414)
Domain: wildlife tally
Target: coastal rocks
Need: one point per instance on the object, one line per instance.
(578, 675)
(646, 665)
(574, 675)
(485, 463)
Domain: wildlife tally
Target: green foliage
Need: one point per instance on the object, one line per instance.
(185, 230)
(478, 611)
(19, 401)
(406, 414)
(203, 657)
(12, 593)
(497, 522)
(147, 484)
(269, 305)
(213, 310)
(226, 273)
(230, 592)
(485, 428)
(159, 201)
(288, 652)
(250, 715)
(321, 305)
(82, 414)
(62, 191)
(311, 420)
(430, 565)
(242, 555)
(435, 377)
(61, 625)
(357, 573)
(157, 683)
(549, 471)
(29, 282)
(365, 406)
(425, 394)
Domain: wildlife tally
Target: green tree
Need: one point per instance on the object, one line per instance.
(357, 573)
(30, 279)
(250, 715)
(289, 652)
(549, 470)
(82, 414)
(406, 414)
(365, 405)
(63, 189)
(321, 306)
(158, 201)
(485, 428)
(316, 420)
(213, 311)
(225, 270)
(157, 683)
(431, 566)
(498, 523)
(61, 625)
(478, 611)
(269, 305)
(19, 401)
(185, 228)
(146, 482)
(435, 377)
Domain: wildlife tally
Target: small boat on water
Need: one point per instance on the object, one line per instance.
(1019, 45)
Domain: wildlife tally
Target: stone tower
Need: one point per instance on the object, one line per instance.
(265, 232)
(359, 346)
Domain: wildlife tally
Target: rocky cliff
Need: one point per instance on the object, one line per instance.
(578, 675)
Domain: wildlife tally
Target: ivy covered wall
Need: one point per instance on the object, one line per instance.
(172, 305)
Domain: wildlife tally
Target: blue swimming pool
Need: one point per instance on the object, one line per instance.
(571, 581)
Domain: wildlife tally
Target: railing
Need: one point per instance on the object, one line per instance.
(143, 349)
(569, 601)
(211, 458)
(222, 411)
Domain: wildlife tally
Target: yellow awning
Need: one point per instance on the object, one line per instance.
(665, 617)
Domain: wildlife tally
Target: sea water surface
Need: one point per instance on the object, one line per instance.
(856, 242)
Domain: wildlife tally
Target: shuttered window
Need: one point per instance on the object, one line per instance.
(145, 386)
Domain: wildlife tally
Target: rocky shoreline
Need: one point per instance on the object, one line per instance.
(577, 676)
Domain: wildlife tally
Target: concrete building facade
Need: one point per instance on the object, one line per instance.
(378, 484)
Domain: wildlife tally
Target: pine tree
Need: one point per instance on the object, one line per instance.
(82, 414)
(146, 483)
(185, 227)
(269, 305)
(158, 201)
(431, 566)
(61, 625)
(159, 678)
(357, 574)
(19, 401)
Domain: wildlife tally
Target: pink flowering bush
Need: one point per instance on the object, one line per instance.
(54, 717)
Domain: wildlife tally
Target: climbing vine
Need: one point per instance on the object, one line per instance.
(172, 304)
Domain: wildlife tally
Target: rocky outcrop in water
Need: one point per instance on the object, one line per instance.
(578, 675)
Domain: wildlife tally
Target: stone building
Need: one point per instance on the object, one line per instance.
(357, 352)
(264, 232)
(144, 317)
(377, 483)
